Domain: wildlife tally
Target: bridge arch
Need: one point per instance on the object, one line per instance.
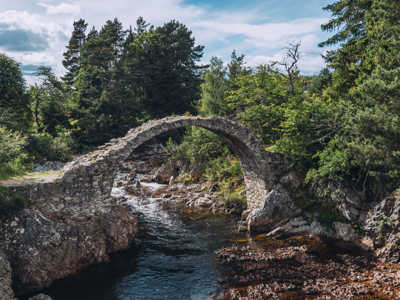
(91, 176)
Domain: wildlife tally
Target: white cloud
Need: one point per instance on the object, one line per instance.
(54, 30)
(250, 31)
(62, 8)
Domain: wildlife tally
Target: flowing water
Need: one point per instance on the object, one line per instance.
(172, 258)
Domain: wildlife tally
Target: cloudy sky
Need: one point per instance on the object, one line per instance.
(36, 32)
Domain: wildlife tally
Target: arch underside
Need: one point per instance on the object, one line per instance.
(93, 174)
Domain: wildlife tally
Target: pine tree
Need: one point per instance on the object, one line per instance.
(163, 64)
(49, 102)
(141, 26)
(236, 67)
(213, 89)
(72, 57)
(365, 148)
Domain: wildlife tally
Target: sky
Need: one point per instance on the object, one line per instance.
(35, 32)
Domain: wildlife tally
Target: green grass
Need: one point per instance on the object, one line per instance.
(12, 169)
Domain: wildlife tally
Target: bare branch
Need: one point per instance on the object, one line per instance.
(289, 63)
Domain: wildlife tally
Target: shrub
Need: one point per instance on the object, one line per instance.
(13, 159)
(44, 147)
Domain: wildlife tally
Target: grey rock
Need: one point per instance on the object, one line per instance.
(6, 291)
(278, 208)
(43, 248)
(390, 253)
(48, 166)
(299, 225)
(317, 229)
(383, 222)
(41, 297)
(292, 180)
(166, 172)
(345, 232)
(203, 202)
(349, 203)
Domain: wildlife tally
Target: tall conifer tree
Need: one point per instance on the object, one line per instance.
(72, 57)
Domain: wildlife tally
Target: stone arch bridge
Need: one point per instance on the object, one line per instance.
(90, 177)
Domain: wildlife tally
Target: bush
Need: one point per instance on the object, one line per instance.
(13, 159)
(200, 145)
(44, 147)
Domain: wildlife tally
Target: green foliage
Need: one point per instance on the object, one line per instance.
(256, 101)
(364, 149)
(14, 102)
(348, 23)
(222, 168)
(118, 79)
(162, 63)
(49, 102)
(72, 57)
(43, 146)
(218, 168)
(224, 174)
(319, 83)
(12, 154)
(200, 145)
(213, 89)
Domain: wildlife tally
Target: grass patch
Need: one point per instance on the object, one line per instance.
(12, 169)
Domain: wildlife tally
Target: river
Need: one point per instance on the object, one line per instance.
(173, 257)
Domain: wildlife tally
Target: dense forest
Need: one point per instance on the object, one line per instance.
(341, 125)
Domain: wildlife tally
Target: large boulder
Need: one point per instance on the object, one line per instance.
(278, 208)
(6, 291)
(43, 248)
(382, 225)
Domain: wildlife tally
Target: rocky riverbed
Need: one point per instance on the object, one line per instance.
(305, 268)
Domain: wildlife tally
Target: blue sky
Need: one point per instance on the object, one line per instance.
(35, 32)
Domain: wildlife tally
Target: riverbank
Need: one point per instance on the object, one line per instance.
(305, 268)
